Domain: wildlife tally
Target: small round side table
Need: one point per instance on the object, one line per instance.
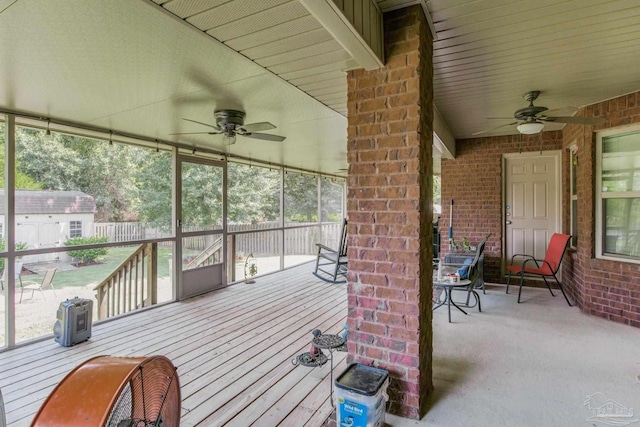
(329, 342)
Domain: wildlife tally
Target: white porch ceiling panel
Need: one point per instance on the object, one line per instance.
(132, 67)
(279, 35)
(140, 67)
(489, 53)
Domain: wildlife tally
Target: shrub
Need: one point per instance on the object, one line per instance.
(20, 246)
(86, 255)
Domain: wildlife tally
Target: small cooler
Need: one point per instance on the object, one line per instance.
(361, 396)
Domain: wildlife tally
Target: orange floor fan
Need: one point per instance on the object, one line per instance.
(115, 392)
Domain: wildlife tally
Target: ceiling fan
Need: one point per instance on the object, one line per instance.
(530, 120)
(231, 123)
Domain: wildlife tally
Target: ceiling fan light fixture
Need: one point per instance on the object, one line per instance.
(229, 138)
(530, 128)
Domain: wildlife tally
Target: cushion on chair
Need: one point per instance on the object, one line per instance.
(464, 271)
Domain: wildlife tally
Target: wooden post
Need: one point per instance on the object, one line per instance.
(152, 277)
(103, 302)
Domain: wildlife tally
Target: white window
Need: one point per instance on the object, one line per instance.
(618, 194)
(75, 229)
(574, 195)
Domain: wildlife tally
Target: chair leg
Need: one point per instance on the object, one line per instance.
(562, 290)
(508, 280)
(54, 291)
(520, 290)
(42, 292)
(475, 294)
(21, 292)
(547, 283)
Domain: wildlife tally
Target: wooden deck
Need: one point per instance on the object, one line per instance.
(233, 349)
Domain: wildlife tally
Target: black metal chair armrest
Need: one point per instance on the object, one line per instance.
(532, 259)
(520, 255)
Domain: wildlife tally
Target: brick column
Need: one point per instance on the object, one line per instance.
(389, 208)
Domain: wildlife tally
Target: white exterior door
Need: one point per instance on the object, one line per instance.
(532, 208)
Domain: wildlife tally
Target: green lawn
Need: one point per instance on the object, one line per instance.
(94, 274)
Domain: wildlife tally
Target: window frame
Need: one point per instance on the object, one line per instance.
(603, 195)
(73, 228)
(573, 193)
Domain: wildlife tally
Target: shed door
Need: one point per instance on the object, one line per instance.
(532, 202)
(49, 238)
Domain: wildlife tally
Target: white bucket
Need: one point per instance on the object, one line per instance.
(361, 396)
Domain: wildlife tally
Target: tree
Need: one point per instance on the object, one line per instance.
(437, 185)
(65, 162)
(253, 193)
(23, 181)
(301, 197)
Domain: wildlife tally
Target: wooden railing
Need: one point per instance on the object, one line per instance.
(210, 255)
(132, 285)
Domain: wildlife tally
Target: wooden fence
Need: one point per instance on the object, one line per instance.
(265, 242)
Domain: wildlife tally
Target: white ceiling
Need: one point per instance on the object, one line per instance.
(139, 67)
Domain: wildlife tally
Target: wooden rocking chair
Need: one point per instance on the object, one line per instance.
(334, 260)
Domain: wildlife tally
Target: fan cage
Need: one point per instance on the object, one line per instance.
(118, 392)
(149, 397)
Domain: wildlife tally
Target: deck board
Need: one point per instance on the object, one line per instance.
(233, 349)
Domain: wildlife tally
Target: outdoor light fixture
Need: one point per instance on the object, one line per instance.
(48, 130)
(530, 128)
(110, 139)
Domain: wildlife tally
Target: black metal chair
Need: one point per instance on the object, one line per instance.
(334, 261)
(472, 273)
(548, 267)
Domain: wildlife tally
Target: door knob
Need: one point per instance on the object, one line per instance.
(508, 222)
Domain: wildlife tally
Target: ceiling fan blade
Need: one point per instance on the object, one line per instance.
(574, 120)
(257, 127)
(196, 133)
(200, 123)
(561, 111)
(494, 128)
(264, 136)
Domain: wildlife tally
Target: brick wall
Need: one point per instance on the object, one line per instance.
(474, 181)
(390, 211)
(602, 288)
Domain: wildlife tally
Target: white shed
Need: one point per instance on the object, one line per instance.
(46, 219)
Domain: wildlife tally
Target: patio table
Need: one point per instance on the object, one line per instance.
(448, 286)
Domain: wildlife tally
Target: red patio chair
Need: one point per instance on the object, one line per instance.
(545, 268)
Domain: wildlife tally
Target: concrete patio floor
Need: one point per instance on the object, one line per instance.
(529, 364)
